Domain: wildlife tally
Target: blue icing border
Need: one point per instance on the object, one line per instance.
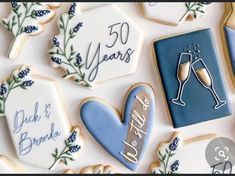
(199, 100)
(230, 38)
(97, 116)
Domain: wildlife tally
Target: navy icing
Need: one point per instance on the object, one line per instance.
(199, 100)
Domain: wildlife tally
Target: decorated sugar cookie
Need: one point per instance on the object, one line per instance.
(175, 156)
(8, 166)
(228, 37)
(125, 136)
(96, 169)
(190, 73)
(91, 52)
(26, 19)
(38, 125)
(175, 12)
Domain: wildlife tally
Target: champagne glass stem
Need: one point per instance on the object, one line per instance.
(178, 100)
(216, 97)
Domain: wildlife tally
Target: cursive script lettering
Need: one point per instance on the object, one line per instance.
(27, 142)
(47, 110)
(137, 129)
(131, 156)
(22, 119)
(144, 103)
(137, 123)
(96, 59)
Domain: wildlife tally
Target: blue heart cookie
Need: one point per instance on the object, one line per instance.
(125, 138)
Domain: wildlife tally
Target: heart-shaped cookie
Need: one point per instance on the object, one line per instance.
(124, 137)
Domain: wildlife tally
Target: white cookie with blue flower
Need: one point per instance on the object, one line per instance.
(174, 13)
(96, 45)
(9, 166)
(38, 124)
(175, 155)
(27, 19)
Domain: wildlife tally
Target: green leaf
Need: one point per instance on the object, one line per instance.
(161, 171)
(54, 156)
(65, 161)
(14, 78)
(2, 98)
(56, 151)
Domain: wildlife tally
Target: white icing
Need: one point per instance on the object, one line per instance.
(23, 18)
(172, 13)
(110, 30)
(37, 112)
(183, 154)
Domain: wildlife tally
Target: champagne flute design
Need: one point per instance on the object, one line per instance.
(183, 74)
(204, 77)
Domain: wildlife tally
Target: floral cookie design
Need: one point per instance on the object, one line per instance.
(96, 169)
(170, 155)
(43, 110)
(92, 56)
(174, 13)
(8, 166)
(27, 19)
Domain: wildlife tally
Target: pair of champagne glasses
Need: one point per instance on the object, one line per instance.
(202, 73)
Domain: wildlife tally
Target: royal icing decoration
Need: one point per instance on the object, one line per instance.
(174, 156)
(97, 169)
(7, 166)
(126, 139)
(92, 56)
(27, 19)
(175, 12)
(53, 141)
(228, 37)
(191, 78)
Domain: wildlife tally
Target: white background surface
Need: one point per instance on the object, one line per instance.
(35, 53)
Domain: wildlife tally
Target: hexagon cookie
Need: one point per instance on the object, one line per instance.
(38, 125)
(175, 12)
(92, 51)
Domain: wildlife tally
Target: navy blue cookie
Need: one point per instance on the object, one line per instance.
(190, 74)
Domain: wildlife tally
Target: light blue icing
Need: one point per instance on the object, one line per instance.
(199, 101)
(105, 125)
(230, 38)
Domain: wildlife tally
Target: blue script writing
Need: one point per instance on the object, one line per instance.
(22, 119)
(27, 143)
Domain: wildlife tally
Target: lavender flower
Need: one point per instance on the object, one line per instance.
(30, 29)
(72, 9)
(3, 89)
(23, 73)
(173, 146)
(175, 166)
(72, 137)
(77, 27)
(14, 4)
(74, 148)
(28, 83)
(56, 42)
(56, 60)
(40, 13)
(78, 59)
